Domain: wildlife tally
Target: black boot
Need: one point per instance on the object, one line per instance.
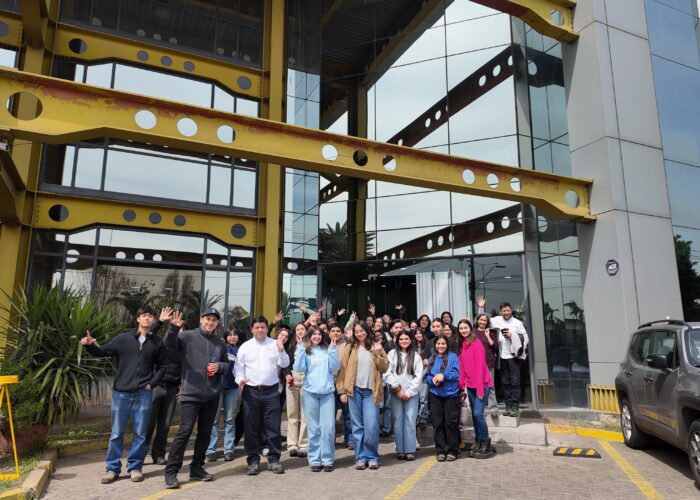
(515, 410)
(507, 412)
(484, 450)
(473, 451)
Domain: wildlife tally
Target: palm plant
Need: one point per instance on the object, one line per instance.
(43, 329)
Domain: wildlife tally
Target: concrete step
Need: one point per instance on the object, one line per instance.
(530, 433)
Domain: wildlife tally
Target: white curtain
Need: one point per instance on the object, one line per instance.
(443, 291)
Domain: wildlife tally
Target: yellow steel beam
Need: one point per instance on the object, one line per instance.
(95, 46)
(73, 112)
(35, 18)
(268, 273)
(11, 32)
(66, 213)
(553, 18)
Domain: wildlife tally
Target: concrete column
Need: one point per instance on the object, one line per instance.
(615, 139)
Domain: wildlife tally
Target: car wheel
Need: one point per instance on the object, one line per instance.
(694, 450)
(634, 437)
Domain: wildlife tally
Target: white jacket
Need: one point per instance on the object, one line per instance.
(408, 383)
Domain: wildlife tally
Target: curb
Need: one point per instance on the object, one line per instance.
(35, 482)
(586, 432)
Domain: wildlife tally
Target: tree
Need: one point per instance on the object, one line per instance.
(333, 243)
(688, 278)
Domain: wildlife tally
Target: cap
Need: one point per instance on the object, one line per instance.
(211, 311)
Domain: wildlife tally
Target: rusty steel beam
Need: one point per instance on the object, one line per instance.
(67, 213)
(72, 112)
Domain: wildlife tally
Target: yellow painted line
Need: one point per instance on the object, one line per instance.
(644, 486)
(590, 452)
(586, 432)
(411, 481)
(562, 450)
(194, 484)
(577, 451)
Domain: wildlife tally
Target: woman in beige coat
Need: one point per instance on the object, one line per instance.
(359, 383)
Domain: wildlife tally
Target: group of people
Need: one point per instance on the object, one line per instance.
(411, 370)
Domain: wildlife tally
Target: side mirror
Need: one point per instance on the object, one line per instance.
(657, 361)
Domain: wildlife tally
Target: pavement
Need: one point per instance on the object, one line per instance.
(517, 471)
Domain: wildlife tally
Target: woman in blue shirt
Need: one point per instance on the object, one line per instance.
(442, 377)
(319, 362)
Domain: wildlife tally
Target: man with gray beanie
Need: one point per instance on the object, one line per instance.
(204, 361)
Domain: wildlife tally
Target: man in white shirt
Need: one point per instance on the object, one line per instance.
(256, 373)
(513, 341)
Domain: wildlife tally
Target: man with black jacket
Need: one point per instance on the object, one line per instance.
(136, 353)
(204, 362)
(165, 385)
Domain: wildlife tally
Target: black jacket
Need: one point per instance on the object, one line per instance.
(168, 366)
(197, 350)
(135, 362)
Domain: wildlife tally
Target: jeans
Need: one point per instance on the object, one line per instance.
(386, 412)
(481, 430)
(423, 409)
(510, 378)
(445, 423)
(125, 405)
(204, 414)
(162, 413)
(404, 413)
(364, 417)
(493, 404)
(347, 426)
(320, 424)
(228, 401)
(263, 417)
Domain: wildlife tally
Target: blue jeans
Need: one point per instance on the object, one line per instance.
(481, 430)
(125, 405)
(405, 413)
(386, 412)
(347, 426)
(320, 426)
(364, 417)
(423, 410)
(229, 402)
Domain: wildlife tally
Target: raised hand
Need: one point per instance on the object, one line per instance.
(354, 315)
(278, 317)
(177, 319)
(88, 339)
(372, 309)
(341, 311)
(377, 344)
(398, 307)
(321, 309)
(481, 301)
(281, 339)
(302, 308)
(333, 342)
(165, 314)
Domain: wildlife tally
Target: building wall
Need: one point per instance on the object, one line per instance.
(615, 139)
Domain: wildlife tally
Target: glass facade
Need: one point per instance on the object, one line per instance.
(129, 268)
(674, 39)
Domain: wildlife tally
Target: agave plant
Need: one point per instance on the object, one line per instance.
(43, 328)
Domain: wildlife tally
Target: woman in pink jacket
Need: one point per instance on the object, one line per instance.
(475, 380)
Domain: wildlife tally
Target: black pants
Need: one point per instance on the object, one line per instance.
(445, 413)
(510, 380)
(161, 416)
(204, 413)
(263, 418)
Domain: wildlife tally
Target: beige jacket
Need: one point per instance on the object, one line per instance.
(345, 381)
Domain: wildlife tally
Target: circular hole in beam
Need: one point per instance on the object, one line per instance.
(329, 152)
(482, 80)
(154, 218)
(505, 222)
(238, 231)
(187, 126)
(179, 220)
(490, 227)
(492, 181)
(166, 61)
(244, 83)
(360, 158)
(145, 119)
(515, 184)
(77, 45)
(188, 65)
(497, 70)
(129, 215)
(142, 55)
(58, 213)
(572, 199)
(226, 134)
(468, 176)
(389, 163)
(29, 112)
(4, 29)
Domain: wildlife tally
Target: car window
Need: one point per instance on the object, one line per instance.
(664, 343)
(639, 348)
(693, 338)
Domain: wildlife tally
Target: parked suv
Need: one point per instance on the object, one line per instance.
(658, 387)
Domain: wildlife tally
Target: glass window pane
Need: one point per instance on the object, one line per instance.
(8, 58)
(155, 176)
(88, 173)
(162, 86)
(502, 150)
(99, 74)
(191, 247)
(478, 34)
(244, 188)
(682, 183)
(416, 210)
(220, 186)
(673, 34)
(429, 45)
(461, 10)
